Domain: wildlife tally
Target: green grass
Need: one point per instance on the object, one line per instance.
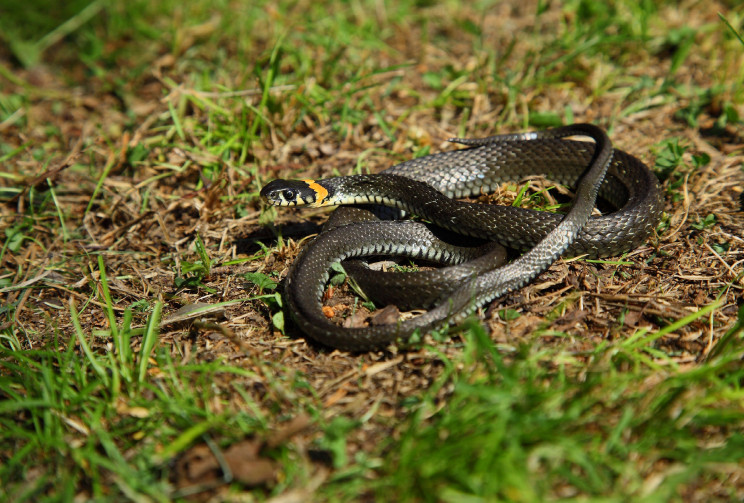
(190, 108)
(84, 429)
(513, 429)
(516, 430)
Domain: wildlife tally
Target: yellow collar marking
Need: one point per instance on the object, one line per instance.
(320, 192)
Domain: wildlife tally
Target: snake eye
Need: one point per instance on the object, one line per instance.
(289, 195)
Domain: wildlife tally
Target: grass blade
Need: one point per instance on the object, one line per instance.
(149, 340)
(92, 359)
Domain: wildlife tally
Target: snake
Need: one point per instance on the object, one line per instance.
(429, 187)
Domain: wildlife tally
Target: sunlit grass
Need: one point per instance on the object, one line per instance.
(103, 413)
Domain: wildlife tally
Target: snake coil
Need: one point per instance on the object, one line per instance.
(426, 187)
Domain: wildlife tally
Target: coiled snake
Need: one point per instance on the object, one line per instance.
(425, 187)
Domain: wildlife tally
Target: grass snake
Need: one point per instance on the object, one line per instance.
(426, 187)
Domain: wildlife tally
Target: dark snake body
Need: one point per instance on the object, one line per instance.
(425, 187)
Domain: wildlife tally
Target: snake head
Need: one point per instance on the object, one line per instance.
(295, 193)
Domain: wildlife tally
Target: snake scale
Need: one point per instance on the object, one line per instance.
(426, 187)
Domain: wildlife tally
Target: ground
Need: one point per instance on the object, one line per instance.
(145, 351)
